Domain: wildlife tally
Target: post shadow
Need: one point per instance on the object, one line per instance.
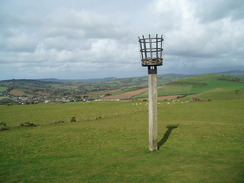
(166, 135)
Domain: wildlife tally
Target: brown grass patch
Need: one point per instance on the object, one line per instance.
(126, 95)
(17, 93)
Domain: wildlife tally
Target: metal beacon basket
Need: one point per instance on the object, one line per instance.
(151, 49)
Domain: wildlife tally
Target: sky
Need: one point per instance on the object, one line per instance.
(83, 39)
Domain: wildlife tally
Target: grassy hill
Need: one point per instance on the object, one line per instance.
(222, 94)
(109, 143)
(203, 86)
(236, 73)
(53, 90)
(43, 114)
(198, 141)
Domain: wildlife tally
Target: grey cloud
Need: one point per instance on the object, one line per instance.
(209, 11)
(199, 44)
(62, 39)
(19, 42)
(82, 24)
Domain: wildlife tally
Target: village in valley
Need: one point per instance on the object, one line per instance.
(170, 87)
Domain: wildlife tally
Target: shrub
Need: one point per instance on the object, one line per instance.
(99, 117)
(3, 126)
(73, 119)
(28, 124)
(59, 121)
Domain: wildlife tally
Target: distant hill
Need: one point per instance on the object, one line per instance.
(175, 75)
(142, 79)
(225, 85)
(97, 80)
(48, 79)
(236, 73)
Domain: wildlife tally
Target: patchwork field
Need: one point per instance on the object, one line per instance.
(16, 92)
(126, 95)
(231, 87)
(109, 143)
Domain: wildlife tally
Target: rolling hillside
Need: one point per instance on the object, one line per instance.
(108, 140)
(53, 90)
(203, 86)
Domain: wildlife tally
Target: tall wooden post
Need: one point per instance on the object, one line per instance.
(152, 108)
(151, 49)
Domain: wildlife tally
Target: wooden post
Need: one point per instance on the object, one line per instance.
(151, 56)
(152, 107)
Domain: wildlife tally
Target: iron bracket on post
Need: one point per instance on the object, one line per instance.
(152, 69)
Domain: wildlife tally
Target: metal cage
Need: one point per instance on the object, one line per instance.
(151, 49)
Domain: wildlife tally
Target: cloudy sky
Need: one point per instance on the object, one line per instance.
(78, 39)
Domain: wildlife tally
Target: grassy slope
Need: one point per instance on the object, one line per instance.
(131, 84)
(221, 94)
(201, 83)
(57, 87)
(206, 147)
(50, 113)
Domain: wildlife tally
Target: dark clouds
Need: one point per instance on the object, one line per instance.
(78, 39)
(203, 34)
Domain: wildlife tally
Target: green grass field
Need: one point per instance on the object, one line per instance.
(197, 85)
(206, 147)
(2, 88)
(41, 114)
